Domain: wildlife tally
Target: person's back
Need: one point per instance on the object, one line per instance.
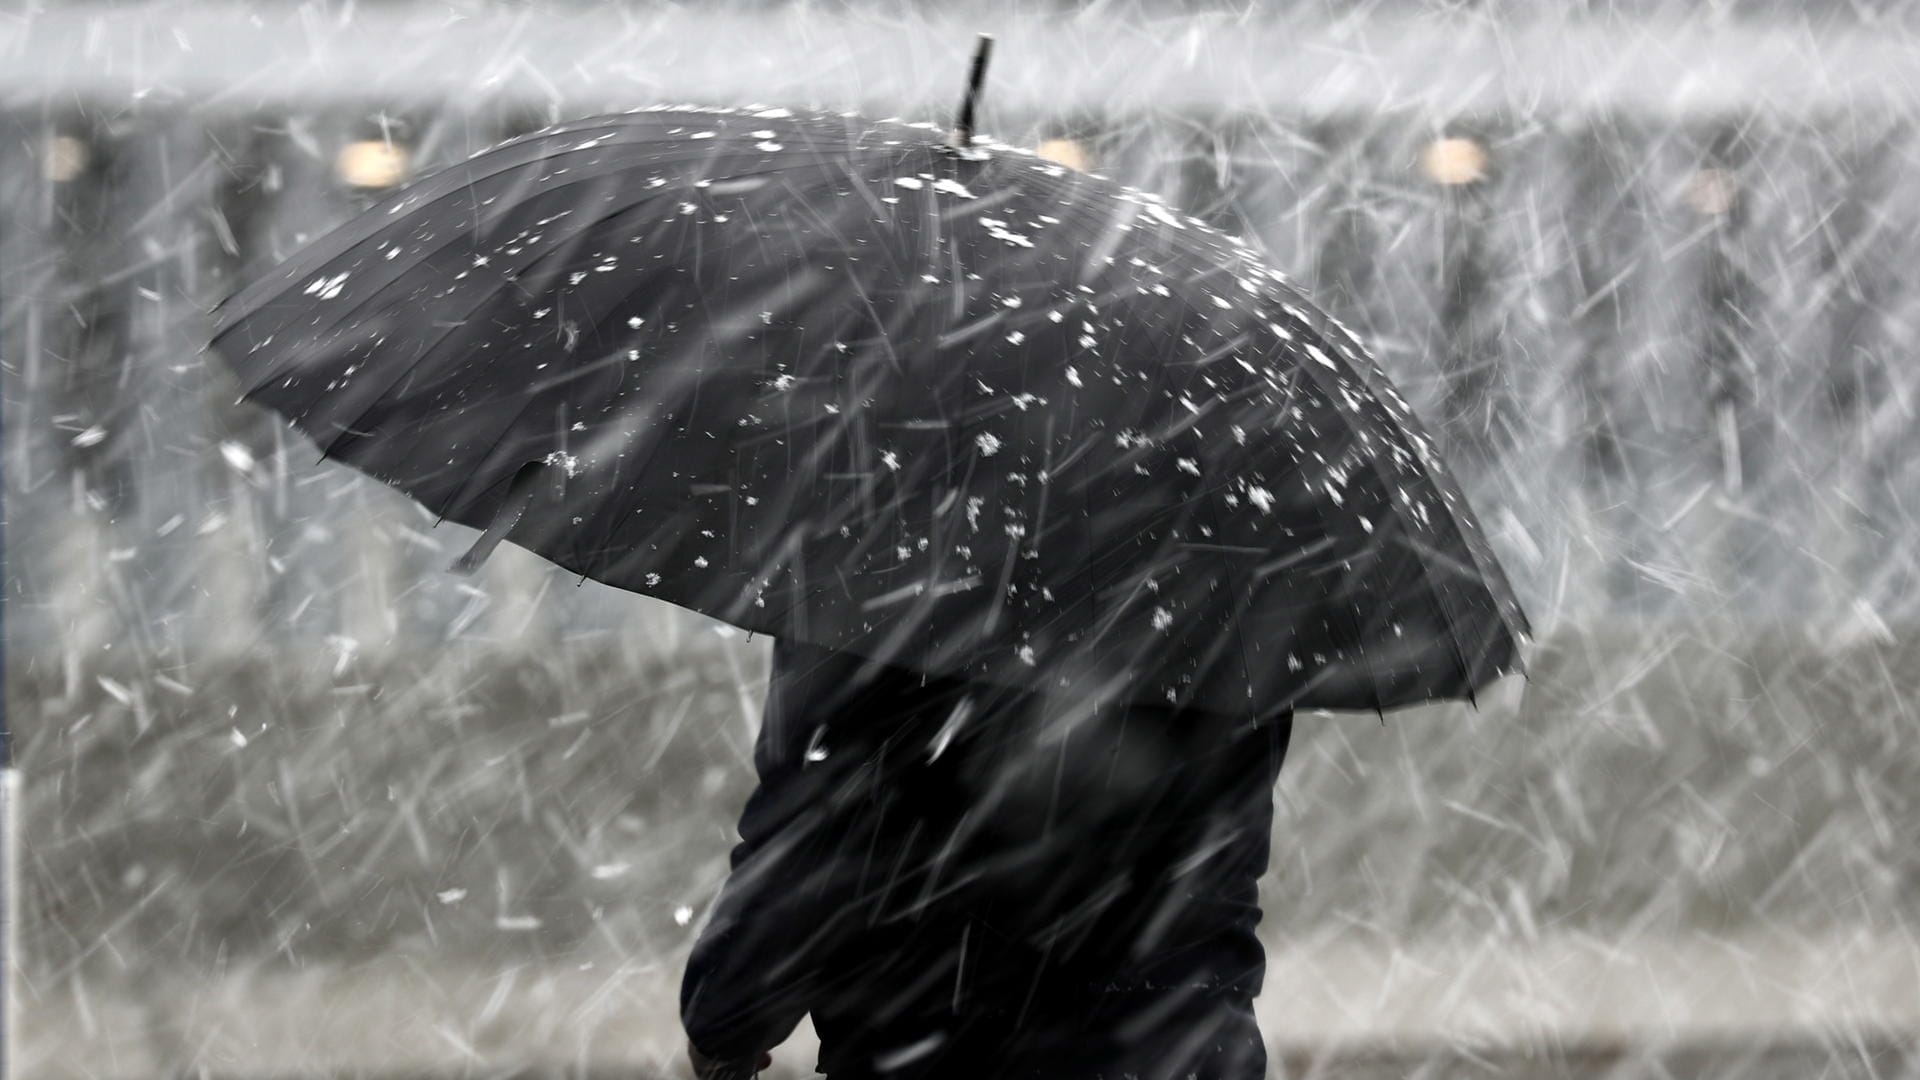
(959, 880)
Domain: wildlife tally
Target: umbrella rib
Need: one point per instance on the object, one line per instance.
(459, 179)
(1443, 483)
(504, 282)
(1434, 589)
(378, 295)
(1241, 587)
(454, 501)
(270, 287)
(446, 332)
(605, 537)
(584, 225)
(1332, 607)
(1361, 421)
(800, 198)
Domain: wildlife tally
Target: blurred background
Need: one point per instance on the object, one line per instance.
(298, 802)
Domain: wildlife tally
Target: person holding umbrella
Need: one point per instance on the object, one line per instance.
(958, 880)
(1058, 503)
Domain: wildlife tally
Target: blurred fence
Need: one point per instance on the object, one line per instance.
(1666, 339)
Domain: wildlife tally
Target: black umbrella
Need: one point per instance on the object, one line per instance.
(839, 379)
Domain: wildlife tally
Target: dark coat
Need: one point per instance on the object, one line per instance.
(963, 881)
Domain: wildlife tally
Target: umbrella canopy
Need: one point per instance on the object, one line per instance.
(967, 411)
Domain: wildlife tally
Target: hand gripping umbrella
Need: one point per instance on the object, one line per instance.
(922, 397)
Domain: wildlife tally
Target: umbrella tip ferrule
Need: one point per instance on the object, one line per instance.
(963, 124)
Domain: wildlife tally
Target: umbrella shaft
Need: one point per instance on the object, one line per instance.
(963, 127)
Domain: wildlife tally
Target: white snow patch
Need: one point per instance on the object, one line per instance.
(1161, 214)
(326, 288)
(237, 455)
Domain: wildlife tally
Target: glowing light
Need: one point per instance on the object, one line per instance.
(372, 163)
(1066, 152)
(1711, 191)
(1454, 161)
(66, 158)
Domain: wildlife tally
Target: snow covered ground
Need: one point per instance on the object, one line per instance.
(499, 856)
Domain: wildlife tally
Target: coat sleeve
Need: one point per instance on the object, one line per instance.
(758, 965)
(778, 932)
